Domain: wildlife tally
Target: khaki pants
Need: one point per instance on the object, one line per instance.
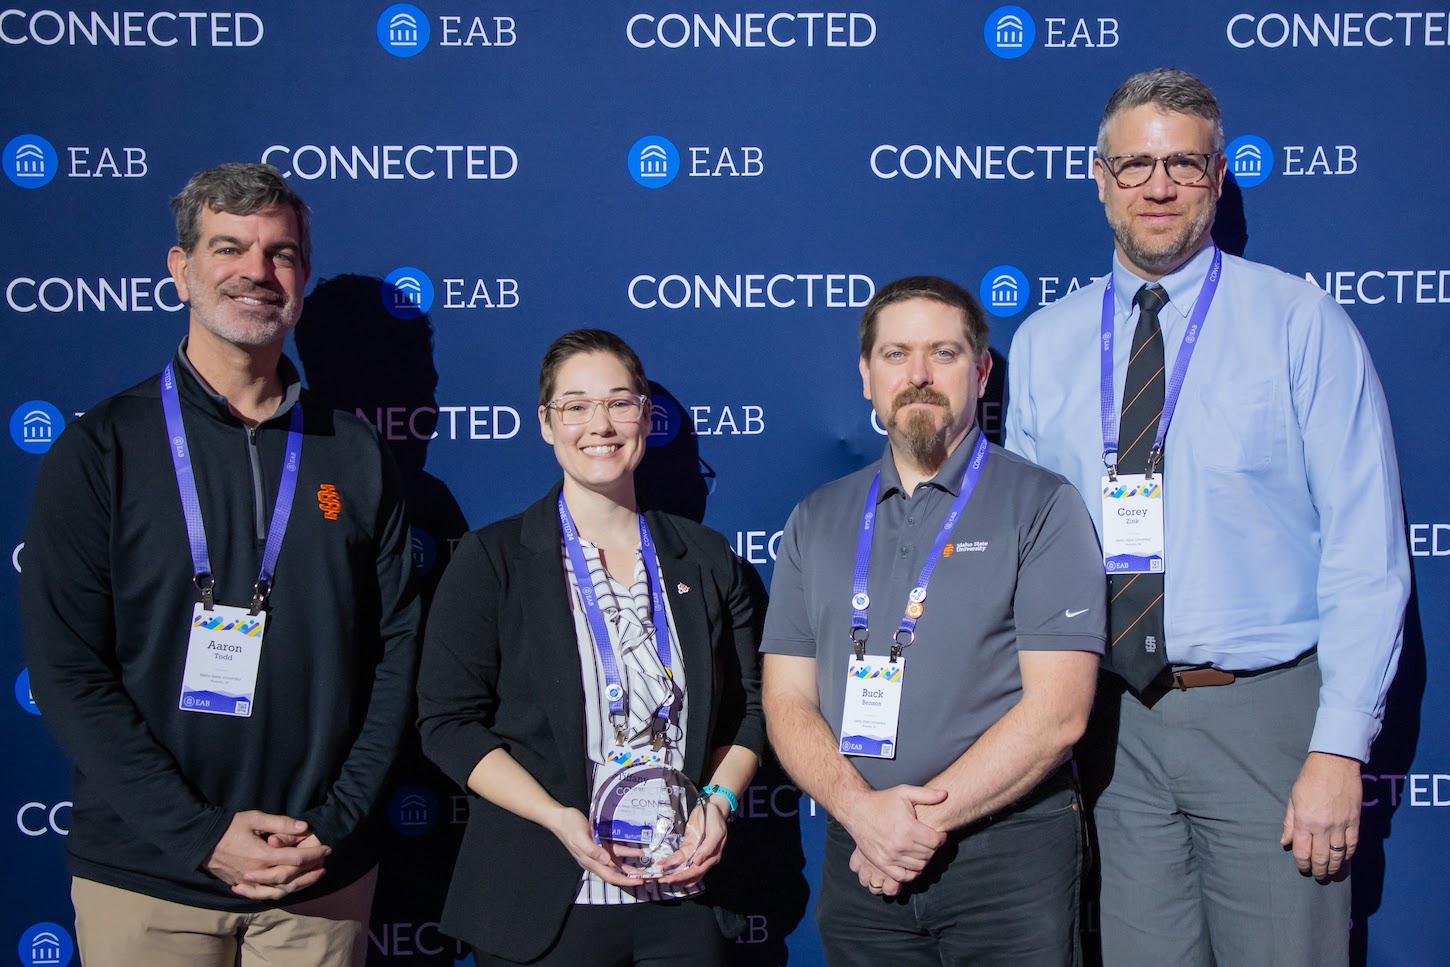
(119, 928)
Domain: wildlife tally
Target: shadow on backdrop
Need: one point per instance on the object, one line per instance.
(1389, 763)
(361, 358)
(760, 890)
(1230, 224)
(671, 477)
(992, 407)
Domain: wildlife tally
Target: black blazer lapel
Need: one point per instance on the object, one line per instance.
(550, 630)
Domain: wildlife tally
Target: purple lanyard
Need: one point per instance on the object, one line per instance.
(191, 504)
(613, 687)
(860, 600)
(1175, 382)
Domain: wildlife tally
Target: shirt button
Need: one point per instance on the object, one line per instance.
(905, 551)
(911, 520)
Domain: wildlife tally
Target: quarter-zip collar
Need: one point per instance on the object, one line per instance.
(196, 391)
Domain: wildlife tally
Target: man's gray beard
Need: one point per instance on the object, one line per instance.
(1162, 262)
(920, 440)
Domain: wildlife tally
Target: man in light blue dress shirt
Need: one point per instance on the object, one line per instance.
(1228, 787)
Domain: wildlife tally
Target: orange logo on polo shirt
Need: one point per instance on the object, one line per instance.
(948, 551)
(329, 501)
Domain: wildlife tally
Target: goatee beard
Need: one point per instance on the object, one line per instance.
(917, 435)
(921, 442)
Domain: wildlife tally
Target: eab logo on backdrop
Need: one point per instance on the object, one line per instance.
(1009, 32)
(35, 425)
(413, 810)
(23, 696)
(1250, 159)
(403, 31)
(407, 293)
(425, 551)
(30, 161)
(654, 161)
(1004, 291)
(665, 419)
(46, 945)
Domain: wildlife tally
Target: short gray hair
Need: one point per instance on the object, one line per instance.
(238, 188)
(1167, 89)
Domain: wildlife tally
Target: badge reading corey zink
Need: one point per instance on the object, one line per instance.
(1133, 524)
(222, 656)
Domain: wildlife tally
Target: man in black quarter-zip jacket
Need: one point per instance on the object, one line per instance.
(219, 622)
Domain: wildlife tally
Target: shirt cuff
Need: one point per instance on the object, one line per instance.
(1344, 732)
(787, 646)
(1089, 643)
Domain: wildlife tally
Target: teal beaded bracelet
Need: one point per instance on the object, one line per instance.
(729, 797)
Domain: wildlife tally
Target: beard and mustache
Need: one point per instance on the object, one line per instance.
(918, 435)
(1161, 255)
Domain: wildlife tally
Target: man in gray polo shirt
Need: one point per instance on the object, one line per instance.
(931, 651)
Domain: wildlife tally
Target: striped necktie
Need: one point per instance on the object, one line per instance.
(1135, 616)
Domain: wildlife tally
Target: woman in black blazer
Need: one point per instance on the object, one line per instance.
(515, 703)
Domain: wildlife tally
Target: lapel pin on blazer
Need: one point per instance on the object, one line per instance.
(682, 588)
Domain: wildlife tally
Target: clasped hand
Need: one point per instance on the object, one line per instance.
(263, 856)
(893, 845)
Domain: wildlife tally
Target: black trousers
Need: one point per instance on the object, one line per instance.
(666, 933)
(1000, 892)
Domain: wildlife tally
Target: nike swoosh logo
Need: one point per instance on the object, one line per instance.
(1074, 614)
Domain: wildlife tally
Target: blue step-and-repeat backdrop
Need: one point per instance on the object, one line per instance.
(725, 184)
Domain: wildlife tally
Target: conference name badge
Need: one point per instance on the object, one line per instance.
(1133, 524)
(222, 656)
(872, 709)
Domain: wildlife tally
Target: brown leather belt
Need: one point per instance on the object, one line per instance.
(1186, 678)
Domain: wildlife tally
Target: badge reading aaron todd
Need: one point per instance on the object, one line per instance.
(222, 655)
(639, 815)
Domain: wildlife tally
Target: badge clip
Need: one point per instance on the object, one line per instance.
(858, 642)
(898, 646)
(1112, 465)
(261, 591)
(1155, 457)
(206, 584)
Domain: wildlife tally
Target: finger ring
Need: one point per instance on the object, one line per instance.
(877, 886)
(1336, 849)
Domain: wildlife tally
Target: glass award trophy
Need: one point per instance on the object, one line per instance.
(639, 815)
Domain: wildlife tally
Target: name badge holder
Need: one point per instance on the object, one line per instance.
(224, 644)
(1134, 535)
(640, 811)
(871, 712)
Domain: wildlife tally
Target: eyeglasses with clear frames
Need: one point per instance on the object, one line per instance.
(575, 410)
(1185, 168)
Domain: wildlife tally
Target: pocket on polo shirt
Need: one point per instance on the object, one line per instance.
(1243, 429)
